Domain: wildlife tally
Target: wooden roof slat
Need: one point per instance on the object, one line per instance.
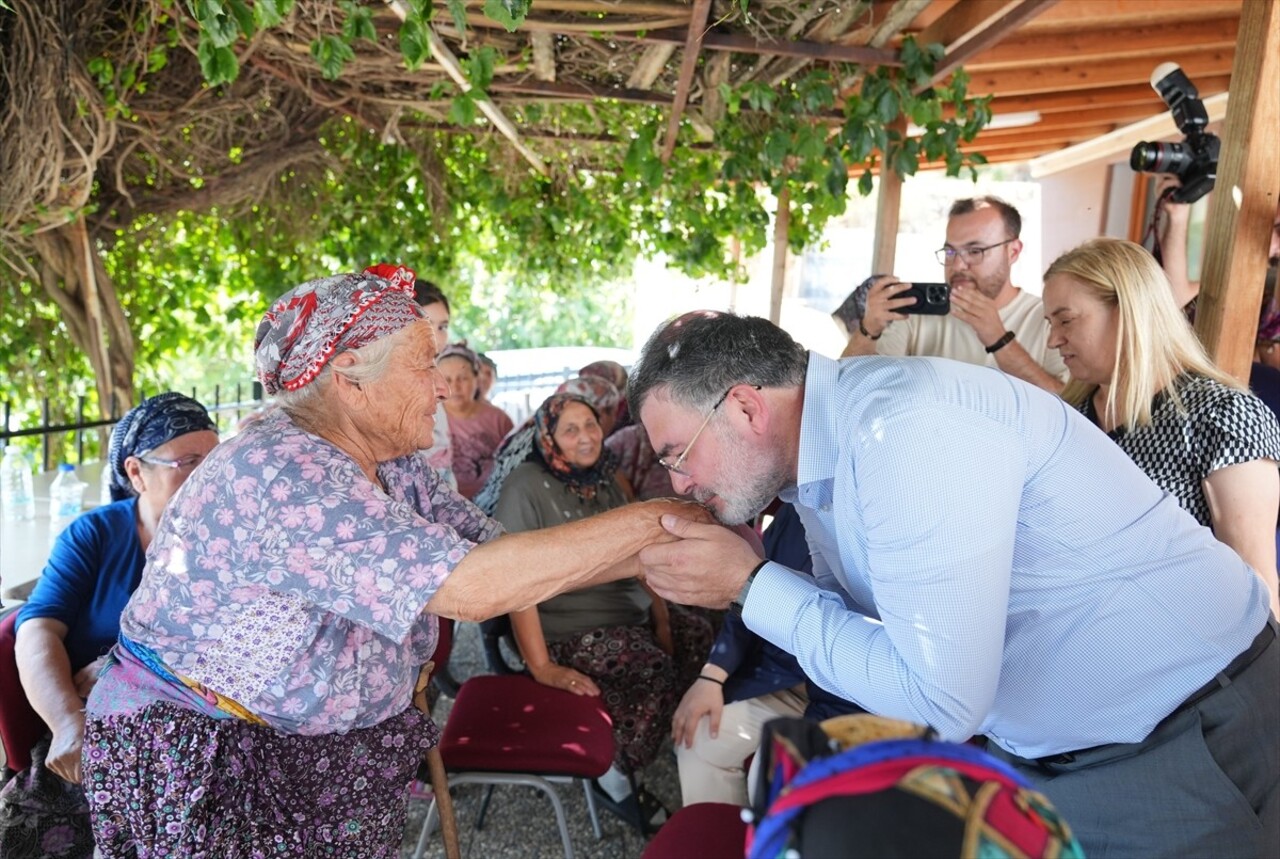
(977, 32)
(1055, 77)
(801, 48)
(688, 65)
(1118, 14)
(1088, 45)
(1111, 96)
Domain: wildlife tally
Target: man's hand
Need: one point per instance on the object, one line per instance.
(701, 699)
(707, 565)
(977, 311)
(883, 303)
(64, 749)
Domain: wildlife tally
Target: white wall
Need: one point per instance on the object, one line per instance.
(1075, 209)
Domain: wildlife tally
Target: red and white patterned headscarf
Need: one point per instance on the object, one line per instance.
(311, 323)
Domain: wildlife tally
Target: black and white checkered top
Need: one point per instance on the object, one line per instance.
(1222, 427)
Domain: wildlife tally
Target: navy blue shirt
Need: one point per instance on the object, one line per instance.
(93, 568)
(1264, 381)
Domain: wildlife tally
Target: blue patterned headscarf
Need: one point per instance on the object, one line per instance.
(153, 422)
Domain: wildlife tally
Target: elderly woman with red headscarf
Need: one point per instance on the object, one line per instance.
(259, 697)
(617, 639)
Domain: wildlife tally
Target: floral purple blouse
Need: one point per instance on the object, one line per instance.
(283, 578)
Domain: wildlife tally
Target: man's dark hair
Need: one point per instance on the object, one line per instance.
(700, 355)
(425, 292)
(1008, 214)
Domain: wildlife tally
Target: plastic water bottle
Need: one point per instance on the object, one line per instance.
(66, 499)
(104, 485)
(17, 492)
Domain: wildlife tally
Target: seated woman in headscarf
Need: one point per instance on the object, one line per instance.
(476, 427)
(603, 396)
(261, 688)
(1140, 374)
(617, 640)
(73, 616)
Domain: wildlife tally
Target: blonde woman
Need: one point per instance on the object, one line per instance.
(1140, 374)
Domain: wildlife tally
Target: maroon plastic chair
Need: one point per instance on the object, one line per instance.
(20, 727)
(708, 830)
(510, 729)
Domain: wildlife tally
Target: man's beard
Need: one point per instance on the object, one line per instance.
(754, 491)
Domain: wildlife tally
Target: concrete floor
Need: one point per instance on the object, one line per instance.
(520, 821)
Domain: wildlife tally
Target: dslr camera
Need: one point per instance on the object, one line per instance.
(1195, 160)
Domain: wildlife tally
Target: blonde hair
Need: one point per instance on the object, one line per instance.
(1154, 342)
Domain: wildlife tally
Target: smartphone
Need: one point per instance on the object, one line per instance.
(932, 299)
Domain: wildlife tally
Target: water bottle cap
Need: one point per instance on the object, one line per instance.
(66, 466)
(12, 448)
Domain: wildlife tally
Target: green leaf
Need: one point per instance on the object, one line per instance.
(887, 106)
(219, 65)
(458, 12)
(358, 23)
(865, 183)
(479, 67)
(332, 54)
(217, 24)
(157, 59)
(269, 13)
(414, 43)
(463, 109)
(244, 17)
(508, 13)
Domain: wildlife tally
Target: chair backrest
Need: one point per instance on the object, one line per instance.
(20, 727)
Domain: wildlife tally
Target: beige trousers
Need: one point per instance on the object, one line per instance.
(713, 769)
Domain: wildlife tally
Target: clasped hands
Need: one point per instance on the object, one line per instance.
(701, 563)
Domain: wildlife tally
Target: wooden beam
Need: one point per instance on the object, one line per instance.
(569, 91)
(970, 27)
(584, 27)
(800, 48)
(1248, 185)
(898, 19)
(1118, 14)
(688, 67)
(445, 57)
(781, 244)
(1163, 39)
(1055, 77)
(544, 56)
(650, 65)
(1074, 100)
(888, 208)
(605, 7)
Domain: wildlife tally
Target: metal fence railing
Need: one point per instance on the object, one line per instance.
(84, 439)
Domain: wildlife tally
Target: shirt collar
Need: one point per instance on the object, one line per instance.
(819, 447)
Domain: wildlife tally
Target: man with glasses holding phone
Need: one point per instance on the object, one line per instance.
(991, 322)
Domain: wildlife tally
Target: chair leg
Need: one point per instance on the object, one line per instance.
(537, 782)
(444, 801)
(591, 807)
(484, 807)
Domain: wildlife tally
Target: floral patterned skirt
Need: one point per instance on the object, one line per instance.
(167, 781)
(42, 816)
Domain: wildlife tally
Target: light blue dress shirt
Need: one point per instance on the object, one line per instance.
(987, 561)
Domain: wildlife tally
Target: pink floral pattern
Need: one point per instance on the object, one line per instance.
(282, 577)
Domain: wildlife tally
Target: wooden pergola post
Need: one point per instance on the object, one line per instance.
(1244, 202)
(888, 206)
(781, 240)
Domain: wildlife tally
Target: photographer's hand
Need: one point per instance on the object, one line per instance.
(882, 311)
(1172, 220)
(977, 311)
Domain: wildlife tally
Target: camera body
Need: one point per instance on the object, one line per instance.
(932, 299)
(1195, 160)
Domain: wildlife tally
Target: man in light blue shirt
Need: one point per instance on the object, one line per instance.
(987, 562)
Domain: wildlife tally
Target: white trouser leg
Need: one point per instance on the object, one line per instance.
(712, 771)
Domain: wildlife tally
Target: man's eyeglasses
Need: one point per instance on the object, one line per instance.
(677, 466)
(182, 463)
(971, 255)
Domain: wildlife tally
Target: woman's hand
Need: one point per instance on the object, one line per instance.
(87, 676)
(64, 749)
(703, 698)
(563, 677)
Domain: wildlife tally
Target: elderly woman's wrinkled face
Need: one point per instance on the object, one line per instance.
(461, 378)
(1082, 327)
(402, 403)
(158, 473)
(579, 436)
